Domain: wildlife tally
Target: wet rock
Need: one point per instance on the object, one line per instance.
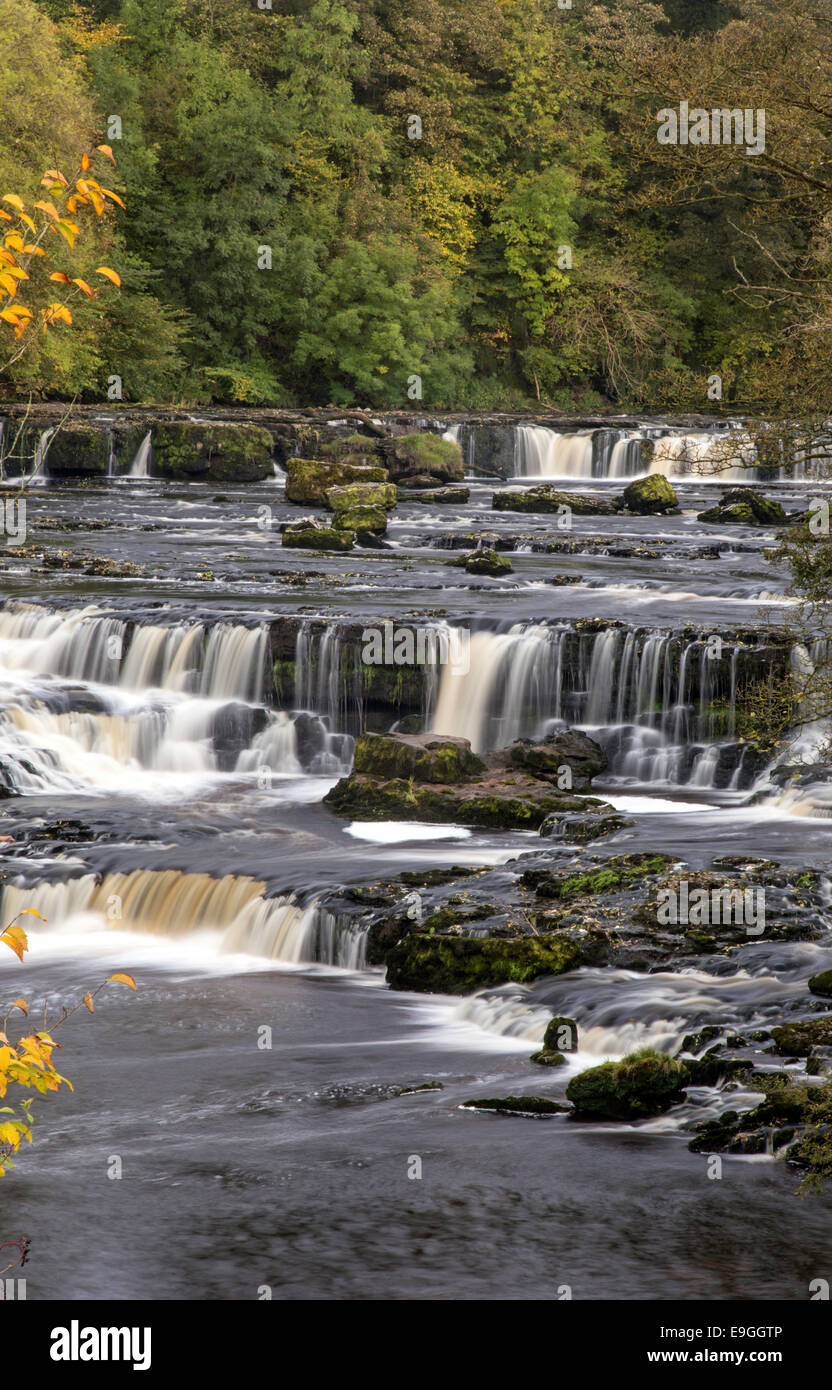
(365, 521)
(410, 455)
(309, 480)
(483, 562)
(212, 453)
(440, 497)
(463, 964)
(799, 1039)
(424, 757)
(570, 750)
(651, 496)
(518, 1105)
(743, 507)
(77, 451)
(362, 496)
(642, 1084)
(547, 498)
(310, 535)
(822, 984)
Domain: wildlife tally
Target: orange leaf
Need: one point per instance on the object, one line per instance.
(6, 216)
(122, 980)
(48, 207)
(87, 1000)
(110, 274)
(8, 283)
(55, 174)
(107, 150)
(22, 1006)
(108, 192)
(14, 201)
(85, 161)
(59, 275)
(9, 316)
(84, 288)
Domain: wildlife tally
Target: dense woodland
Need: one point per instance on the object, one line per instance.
(440, 257)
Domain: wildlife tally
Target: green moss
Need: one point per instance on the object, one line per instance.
(822, 984)
(619, 871)
(212, 453)
(373, 519)
(426, 454)
(463, 964)
(311, 537)
(798, 1039)
(309, 481)
(643, 1083)
(651, 495)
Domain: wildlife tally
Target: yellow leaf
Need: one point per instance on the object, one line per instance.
(22, 1006)
(107, 151)
(15, 939)
(9, 316)
(30, 250)
(63, 227)
(54, 174)
(110, 194)
(72, 203)
(6, 216)
(14, 201)
(31, 912)
(84, 288)
(8, 283)
(24, 217)
(88, 1002)
(64, 279)
(123, 980)
(48, 208)
(15, 240)
(110, 274)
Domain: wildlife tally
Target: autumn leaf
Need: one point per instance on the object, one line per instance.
(110, 274)
(59, 275)
(84, 288)
(22, 1006)
(108, 192)
(85, 161)
(31, 911)
(16, 940)
(122, 979)
(107, 151)
(87, 1001)
(49, 208)
(14, 201)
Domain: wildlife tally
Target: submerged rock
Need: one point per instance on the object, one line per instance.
(644, 1083)
(547, 498)
(518, 1105)
(483, 562)
(310, 535)
(438, 496)
(651, 496)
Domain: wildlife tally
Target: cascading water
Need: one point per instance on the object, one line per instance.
(662, 706)
(140, 465)
(228, 914)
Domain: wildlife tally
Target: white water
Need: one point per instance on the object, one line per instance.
(139, 466)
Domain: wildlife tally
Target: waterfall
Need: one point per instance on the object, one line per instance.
(171, 903)
(541, 453)
(657, 703)
(139, 466)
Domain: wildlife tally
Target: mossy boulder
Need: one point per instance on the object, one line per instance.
(309, 480)
(741, 506)
(508, 804)
(798, 1039)
(650, 496)
(309, 535)
(561, 1036)
(191, 452)
(424, 757)
(372, 520)
(546, 498)
(487, 562)
(642, 1084)
(437, 496)
(822, 984)
(75, 451)
(570, 749)
(463, 964)
(355, 496)
(413, 454)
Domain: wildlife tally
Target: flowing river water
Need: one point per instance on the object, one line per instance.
(166, 819)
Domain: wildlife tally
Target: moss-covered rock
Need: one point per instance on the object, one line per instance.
(309, 480)
(822, 984)
(424, 757)
(570, 749)
(651, 496)
(798, 1039)
(546, 498)
(413, 454)
(355, 496)
(463, 964)
(437, 496)
(744, 507)
(644, 1083)
(74, 451)
(483, 562)
(362, 519)
(191, 452)
(309, 535)
(517, 1105)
